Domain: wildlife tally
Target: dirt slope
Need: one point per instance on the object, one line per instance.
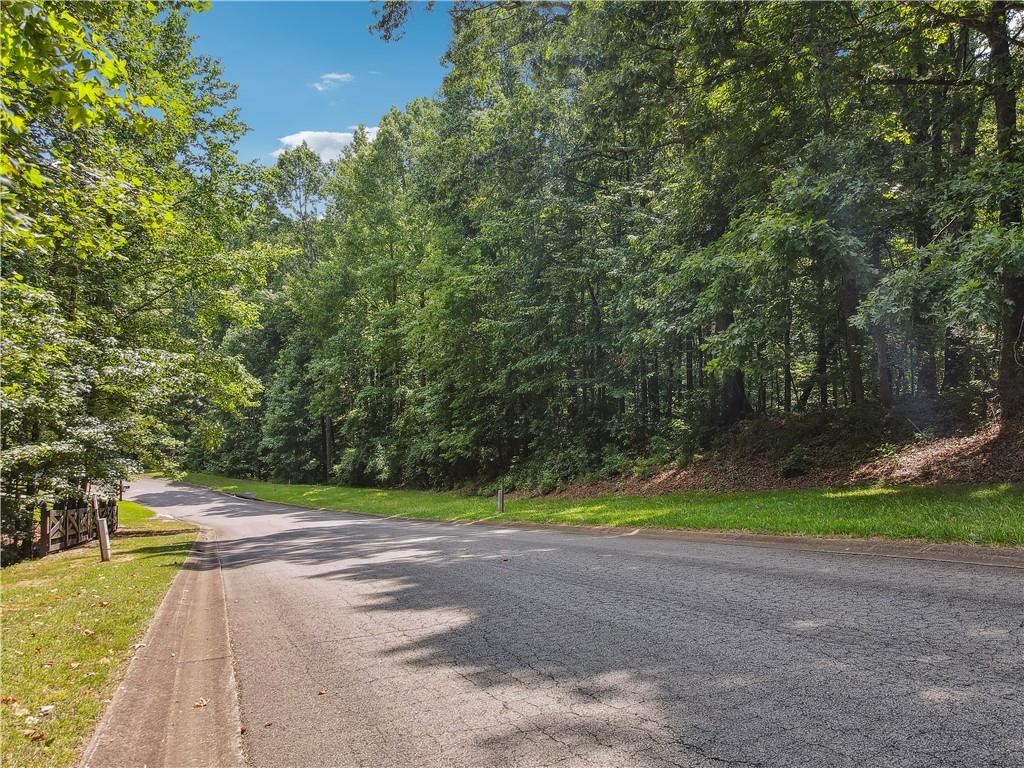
(993, 454)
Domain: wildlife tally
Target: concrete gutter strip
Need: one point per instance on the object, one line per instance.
(966, 554)
(178, 704)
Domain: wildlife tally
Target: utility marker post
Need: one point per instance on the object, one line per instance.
(101, 530)
(101, 527)
(501, 501)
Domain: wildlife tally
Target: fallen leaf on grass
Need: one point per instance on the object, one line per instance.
(8, 700)
(46, 709)
(200, 704)
(87, 632)
(104, 603)
(20, 711)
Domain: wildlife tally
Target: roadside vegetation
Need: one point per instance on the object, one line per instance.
(621, 231)
(985, 514)
(617, 233)
(70, 625)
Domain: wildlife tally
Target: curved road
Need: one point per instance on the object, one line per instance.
(376, 642)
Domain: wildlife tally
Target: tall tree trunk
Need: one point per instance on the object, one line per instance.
(885, 383)
(1011, 354)
(326, 440)
(956, 368)
(848, 300)
(734, 403)
(819, 376)
(884, 364)
(670, 390)
(689, 363)
(787, 353)
(920, 120)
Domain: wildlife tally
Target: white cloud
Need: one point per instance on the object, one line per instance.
(330, 80)
(371, 131)
(328, 144)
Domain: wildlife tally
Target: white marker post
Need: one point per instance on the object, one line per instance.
(101, 530)
(101, 527)
(501, 501)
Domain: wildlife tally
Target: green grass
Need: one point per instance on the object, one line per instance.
(69, 623)
(990, 514)
(134, 518)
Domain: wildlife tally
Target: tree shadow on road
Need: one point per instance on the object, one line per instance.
(696, 655)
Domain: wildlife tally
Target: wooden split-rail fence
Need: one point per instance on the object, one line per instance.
(63, 525)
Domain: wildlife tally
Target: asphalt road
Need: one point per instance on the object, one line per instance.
(363, 641)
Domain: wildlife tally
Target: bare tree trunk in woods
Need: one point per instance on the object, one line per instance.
(963, 141)
(787, 352)
(819, 376)
(689, 363)
(654, 390)
(734, 403)
(924, 336)
(922, 159)
(848, 299)
(885, 383)
(671, 388)
(701, 375)
(1011, 353)
(642, 401)
(884, 364)
(326, 433)
(955, 368)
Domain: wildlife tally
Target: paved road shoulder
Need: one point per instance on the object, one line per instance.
(178, 703)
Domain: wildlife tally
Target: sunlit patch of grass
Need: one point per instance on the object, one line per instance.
(69, 623)
(991, 491)
(976, 514)
(855, 493)
(134, 518)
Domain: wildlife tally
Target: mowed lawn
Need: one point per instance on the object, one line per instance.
(69, 626)
(989, 514)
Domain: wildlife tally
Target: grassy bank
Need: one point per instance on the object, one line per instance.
(69, 624)
(990, 514)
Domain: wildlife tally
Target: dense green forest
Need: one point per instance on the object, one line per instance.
(123, 207)
(623, 227)
(617, 231)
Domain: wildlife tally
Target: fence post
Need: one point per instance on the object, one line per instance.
(44, 530)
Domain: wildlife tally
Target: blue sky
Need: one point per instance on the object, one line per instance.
(311, 70)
